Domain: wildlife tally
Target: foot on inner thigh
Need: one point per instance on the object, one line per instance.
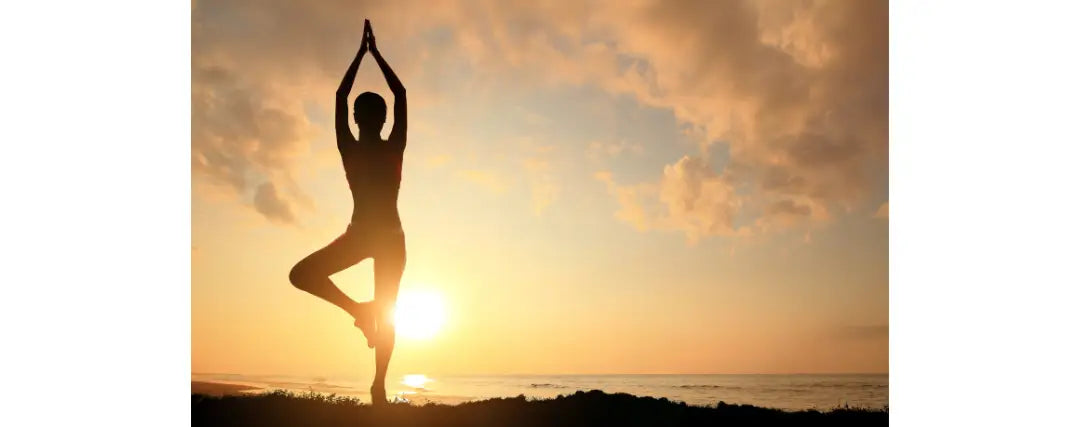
(365, 320)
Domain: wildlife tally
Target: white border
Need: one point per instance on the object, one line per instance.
(96, 186)
(982, 212)
(96, 213)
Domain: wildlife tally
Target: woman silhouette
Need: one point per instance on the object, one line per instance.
(373, 171)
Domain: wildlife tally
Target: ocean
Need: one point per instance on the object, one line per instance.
(788, 392)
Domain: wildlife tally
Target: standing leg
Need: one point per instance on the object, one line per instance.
(389, 265)
(312, 275)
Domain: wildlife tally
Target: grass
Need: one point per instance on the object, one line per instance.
(594, 408)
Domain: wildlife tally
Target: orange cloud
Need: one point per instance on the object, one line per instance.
(629, 198)
(796, 92)
(241, 137)
(269, 203)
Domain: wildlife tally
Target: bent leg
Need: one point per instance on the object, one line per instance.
(312, 274)
(389, 265)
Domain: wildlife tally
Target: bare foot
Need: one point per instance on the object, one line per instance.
(365, 320)
(378, 395)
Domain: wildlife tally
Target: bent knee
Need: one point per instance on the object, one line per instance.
(300, 276)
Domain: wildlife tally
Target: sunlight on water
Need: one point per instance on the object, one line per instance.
(416, 380)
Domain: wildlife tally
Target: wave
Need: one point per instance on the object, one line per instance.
(546, 385)
(708, 387)
(304, 385)
(325, 385)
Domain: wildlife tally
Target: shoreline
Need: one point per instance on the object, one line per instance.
(214, 388)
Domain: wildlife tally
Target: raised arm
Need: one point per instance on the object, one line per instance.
(341, 104)
(401, 115)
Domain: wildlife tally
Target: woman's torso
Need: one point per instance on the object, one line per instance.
(373, 171)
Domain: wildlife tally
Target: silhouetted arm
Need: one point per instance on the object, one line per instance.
(401, 115)
(341, 109)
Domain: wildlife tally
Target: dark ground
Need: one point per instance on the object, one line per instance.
(594, 408)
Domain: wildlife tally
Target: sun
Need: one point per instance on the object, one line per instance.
(419, 314)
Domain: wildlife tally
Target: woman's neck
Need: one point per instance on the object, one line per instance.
(368, 135)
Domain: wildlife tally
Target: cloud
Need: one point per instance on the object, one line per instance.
(256, 66)
(269, 203)
(797, 92)
(699, 201)
(240, 136)
(883, 211)
(260, 68)
(794, 93)
(690, 197)
(787, 207)
(784, 213)
(629, 199)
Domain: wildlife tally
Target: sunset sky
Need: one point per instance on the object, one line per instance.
(592, 187)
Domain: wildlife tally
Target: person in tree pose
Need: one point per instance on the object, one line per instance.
(373, 171)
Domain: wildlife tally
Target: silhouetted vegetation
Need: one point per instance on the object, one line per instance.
(594, 408)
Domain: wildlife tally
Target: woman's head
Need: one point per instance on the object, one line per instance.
(369, 111)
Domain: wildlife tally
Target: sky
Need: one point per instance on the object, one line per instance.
(592, 187)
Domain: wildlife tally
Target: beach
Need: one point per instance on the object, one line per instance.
(219, 389)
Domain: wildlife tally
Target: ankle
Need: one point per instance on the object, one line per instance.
(358, 309)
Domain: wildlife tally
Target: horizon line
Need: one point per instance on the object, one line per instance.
(561, 375)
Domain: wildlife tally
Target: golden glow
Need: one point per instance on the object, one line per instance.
(572, 221)
(419, 314)
(416, 380)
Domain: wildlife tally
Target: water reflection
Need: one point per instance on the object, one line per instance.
(416, 381)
